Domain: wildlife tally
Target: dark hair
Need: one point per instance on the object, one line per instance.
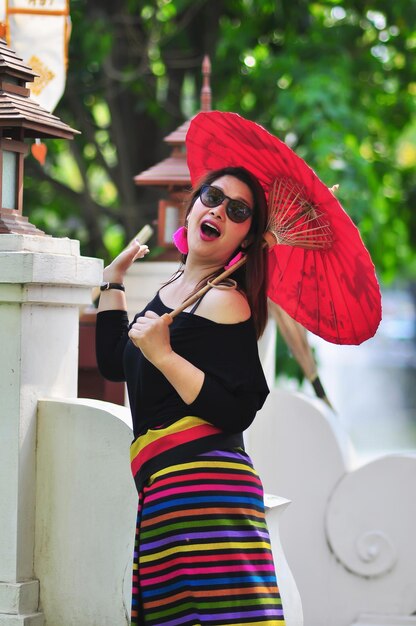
(252, 276)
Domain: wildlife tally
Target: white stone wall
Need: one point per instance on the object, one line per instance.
(86, 505)
(348, 534)
(43, 281)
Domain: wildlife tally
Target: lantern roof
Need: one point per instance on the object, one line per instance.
(17, 109)
(178, 136)
(171, 172)
(12, 65)
(20, 112)
(174, 170)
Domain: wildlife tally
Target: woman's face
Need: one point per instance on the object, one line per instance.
(211, 233)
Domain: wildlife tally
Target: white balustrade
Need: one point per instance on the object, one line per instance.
(348, 535)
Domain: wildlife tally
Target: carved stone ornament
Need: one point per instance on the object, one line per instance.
(369, 516)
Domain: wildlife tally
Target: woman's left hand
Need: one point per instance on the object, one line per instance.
(150, 334)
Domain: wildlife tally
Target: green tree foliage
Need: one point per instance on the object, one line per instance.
(335, 80)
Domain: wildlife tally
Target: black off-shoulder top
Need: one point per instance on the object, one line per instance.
(234, 388)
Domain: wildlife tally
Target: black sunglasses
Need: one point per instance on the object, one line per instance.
(236, 210)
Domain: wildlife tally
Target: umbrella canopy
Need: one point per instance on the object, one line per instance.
(320, 272)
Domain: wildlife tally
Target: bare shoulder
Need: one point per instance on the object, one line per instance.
(225, 306)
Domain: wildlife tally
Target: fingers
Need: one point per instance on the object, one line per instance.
(116, 270)
(151, 314)
(140, 252)
(150, 333)
(134, 251)
(146, 321)
(166, 317)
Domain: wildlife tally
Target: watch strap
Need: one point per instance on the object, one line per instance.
(107, 286)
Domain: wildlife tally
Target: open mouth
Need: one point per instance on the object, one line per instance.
(209, 230)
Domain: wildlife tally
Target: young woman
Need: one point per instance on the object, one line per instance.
(195, 383)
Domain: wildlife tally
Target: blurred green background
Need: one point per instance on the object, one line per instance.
(335, 80)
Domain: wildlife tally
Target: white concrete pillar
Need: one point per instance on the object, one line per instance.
(43, 281)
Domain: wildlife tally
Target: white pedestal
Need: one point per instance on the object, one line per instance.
(43, 281)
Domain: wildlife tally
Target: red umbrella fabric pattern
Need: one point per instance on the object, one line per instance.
(320, 272)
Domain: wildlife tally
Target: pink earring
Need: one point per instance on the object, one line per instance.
(234, 260)
(180, 240)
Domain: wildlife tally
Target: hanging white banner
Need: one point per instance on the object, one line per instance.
(38, 31)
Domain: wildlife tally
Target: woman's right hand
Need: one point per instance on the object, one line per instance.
(114, 273)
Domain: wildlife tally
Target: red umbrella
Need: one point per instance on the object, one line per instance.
(320, 272)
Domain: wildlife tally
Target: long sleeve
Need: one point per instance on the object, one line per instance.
(234, 388)
(111, 338)
(231, 411)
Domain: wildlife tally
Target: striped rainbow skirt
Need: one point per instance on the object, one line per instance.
(202, 550)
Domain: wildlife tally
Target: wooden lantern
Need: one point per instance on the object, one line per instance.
(20, 118)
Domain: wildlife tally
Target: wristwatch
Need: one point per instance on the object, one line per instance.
(106, 286)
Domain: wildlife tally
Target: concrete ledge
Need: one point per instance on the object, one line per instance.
(16, 598)
(47, 268)
(38, 243)
(34, 619)
(45, 294)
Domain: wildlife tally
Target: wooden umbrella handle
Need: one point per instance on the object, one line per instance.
(208, 286)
